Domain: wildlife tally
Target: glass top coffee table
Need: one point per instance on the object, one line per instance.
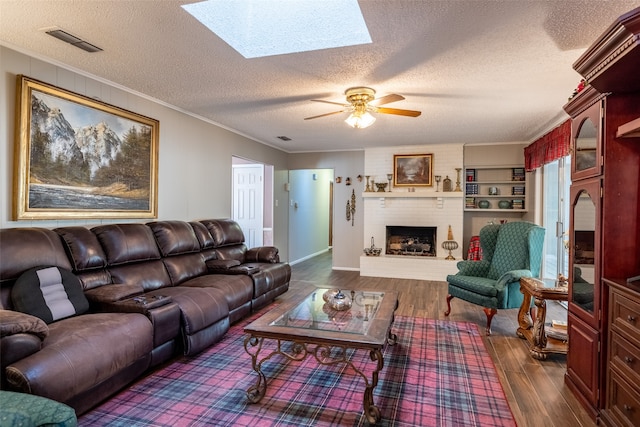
(309, 326)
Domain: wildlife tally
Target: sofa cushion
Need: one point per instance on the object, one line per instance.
(224, 231)
(232, 252)
(184, 267)
(50, 293)
(175, 237)
(14, 322)
(199, 307)
(269, 277)
(237, 289)
(83, 351)
(203, 235)
(126, 243)
(150, 275)
(25, 248)
(83, 248)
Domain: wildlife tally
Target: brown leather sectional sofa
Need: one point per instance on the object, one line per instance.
(155, 291)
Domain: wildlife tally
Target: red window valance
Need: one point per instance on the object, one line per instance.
(550, 147)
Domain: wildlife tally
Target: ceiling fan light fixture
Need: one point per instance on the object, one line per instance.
(361, 102)
(360, 120)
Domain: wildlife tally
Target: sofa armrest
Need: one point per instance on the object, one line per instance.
(138, 304)
(111, 293)
(262, 254)
(21, 335)
(243, 269)
(15, 322)
(16, 347)
(221, 265)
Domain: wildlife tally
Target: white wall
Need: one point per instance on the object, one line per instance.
(194, 155)
(309, 209)
(347, 238)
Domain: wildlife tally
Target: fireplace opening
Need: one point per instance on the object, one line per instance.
(411, 241)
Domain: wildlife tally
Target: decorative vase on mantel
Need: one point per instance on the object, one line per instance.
(446, 184)
(450, 244)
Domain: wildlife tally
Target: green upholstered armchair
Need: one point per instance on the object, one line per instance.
(509, 251)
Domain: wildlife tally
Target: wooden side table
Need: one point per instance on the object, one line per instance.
(541, 290)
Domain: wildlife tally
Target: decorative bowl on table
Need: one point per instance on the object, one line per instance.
(337, 300)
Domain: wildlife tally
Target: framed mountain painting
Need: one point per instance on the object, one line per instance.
(77, 157)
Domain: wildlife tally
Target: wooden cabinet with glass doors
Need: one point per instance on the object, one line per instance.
(604, 256)
(583, 358)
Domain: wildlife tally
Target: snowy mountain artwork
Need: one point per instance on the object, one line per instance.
(83, 158)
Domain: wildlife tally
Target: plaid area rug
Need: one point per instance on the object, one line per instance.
(438, 374)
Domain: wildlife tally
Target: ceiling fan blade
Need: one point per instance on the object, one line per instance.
(330, 102)
(408, 113)
(324, 115)
(387, 99)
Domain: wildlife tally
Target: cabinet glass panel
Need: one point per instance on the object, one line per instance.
(586, 144)
(586, 137)
(584, 246)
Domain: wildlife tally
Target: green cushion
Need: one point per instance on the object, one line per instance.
(477, 285)
(20, 409)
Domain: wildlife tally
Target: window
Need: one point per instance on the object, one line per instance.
(556, 181)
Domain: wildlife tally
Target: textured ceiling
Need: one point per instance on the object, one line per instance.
(480, 71)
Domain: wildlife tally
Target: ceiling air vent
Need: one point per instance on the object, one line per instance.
(72, 40)
(284, 138)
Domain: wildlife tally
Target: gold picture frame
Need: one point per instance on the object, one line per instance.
(77, 157)
(413, 170)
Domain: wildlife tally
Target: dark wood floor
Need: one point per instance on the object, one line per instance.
(534, 389)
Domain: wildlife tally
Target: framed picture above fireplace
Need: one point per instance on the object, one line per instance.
(412, 170)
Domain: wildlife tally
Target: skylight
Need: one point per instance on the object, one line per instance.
(257, 28)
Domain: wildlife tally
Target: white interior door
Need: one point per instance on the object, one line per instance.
(248, 194)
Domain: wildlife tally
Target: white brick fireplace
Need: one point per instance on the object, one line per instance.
(422, 208)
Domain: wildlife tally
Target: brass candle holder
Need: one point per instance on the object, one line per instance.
(458, 179)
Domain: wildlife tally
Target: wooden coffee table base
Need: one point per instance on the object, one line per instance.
(327, 355)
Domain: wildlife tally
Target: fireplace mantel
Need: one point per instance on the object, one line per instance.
(419, 206)
(417, 194)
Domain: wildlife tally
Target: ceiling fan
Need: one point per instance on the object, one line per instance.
(361, 103)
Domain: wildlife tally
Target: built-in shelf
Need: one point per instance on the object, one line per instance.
(496, 210)
(486, 196)
(629, 130)
(497, 183)
(414, 195)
